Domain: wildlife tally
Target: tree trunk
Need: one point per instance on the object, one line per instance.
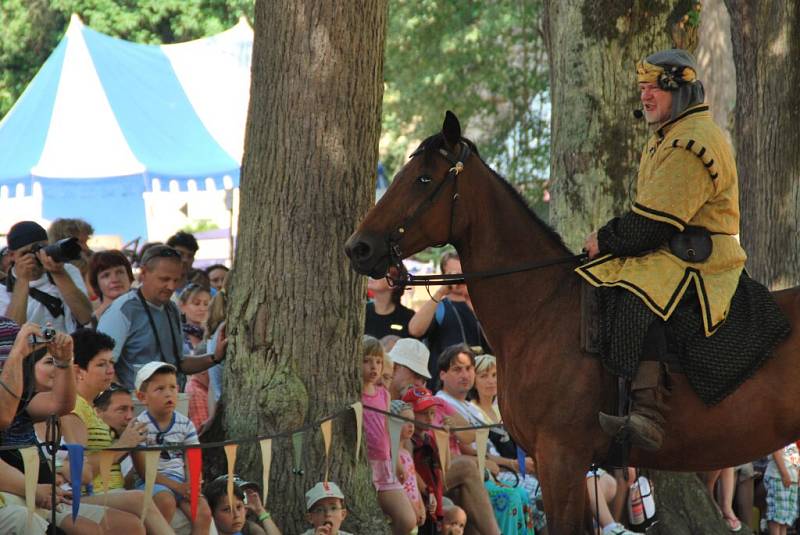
(715, 58)
(766, 49)
(684, 508)
(296, 309)
(596, 143)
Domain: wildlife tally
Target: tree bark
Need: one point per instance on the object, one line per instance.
(595, 140)
(766, 49)
(596, 144)
(296, 308)
(684, 508)
(715, 58)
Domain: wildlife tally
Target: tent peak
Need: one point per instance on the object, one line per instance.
(75, 19)
(244, 22)
(75, 24)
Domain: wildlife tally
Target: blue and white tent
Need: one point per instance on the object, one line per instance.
(105, 120)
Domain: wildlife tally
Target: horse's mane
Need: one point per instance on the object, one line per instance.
(430, 147)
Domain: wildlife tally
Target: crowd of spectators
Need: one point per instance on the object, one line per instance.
(114, 351)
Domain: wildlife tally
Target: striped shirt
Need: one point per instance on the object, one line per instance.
(180, 431)
(99, 436)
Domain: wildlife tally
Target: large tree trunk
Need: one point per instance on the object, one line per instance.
(596, 144)
(766, 49)
(296, 308)
(595, 140)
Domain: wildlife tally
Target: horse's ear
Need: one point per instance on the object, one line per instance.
(451, 129)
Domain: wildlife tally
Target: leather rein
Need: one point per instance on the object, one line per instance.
(396, 256)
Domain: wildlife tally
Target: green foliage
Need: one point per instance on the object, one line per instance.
(200, 225)
(486, 61)
(31, 29)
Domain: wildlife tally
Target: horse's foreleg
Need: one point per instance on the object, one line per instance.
(562, 472)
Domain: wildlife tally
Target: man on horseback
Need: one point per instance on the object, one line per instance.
(670, 271)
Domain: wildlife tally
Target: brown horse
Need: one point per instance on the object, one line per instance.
(550, 391)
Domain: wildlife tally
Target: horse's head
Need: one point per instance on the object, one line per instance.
(418, 209)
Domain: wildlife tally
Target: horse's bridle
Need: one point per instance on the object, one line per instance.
(395, 254)
(404, 278)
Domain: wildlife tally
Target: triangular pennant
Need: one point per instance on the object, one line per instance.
(230, 454)
(395, 426)
(481, 442)
(75, 453)
(358, 408)
(266, 463)
(443, 444)
(194, 458)
(30, 463)
(297, 447)
(326, 428)
(521, 460)
(150, 471)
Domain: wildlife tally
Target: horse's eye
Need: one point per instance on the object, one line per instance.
(423, 179)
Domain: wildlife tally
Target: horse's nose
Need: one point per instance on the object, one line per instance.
(368, 253)
(358, 249)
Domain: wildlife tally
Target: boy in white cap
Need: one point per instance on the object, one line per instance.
(410, 359)
(326, 510)
(157, 388)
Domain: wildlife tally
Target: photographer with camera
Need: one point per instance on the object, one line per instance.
(41, 286)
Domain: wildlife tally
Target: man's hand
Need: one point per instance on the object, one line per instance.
(50, 265)
(25, 268)
(787, 480)
(591, 246)
(133, 435)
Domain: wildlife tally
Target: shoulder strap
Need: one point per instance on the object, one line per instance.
(152, 323)
(53, 304)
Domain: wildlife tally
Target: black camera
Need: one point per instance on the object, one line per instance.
(64, 250)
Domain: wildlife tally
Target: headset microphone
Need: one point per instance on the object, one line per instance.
(638, 114)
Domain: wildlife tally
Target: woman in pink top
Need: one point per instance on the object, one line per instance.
(391, 497)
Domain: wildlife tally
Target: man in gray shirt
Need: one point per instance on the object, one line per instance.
(146, 324)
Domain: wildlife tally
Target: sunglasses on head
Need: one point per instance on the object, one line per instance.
(103, 396)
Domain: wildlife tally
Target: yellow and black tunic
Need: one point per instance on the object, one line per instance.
(687, 177)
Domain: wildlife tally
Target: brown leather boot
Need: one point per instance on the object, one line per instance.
(645, 423)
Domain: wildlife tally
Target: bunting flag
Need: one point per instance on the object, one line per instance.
(297, 445)
(326, 428)
(443, 445)
(358, 408)
(230, 454)
(395, 426)
(266, 463)
(75, 453)
(30, 463)
(194, 457)
(150, 471)
(521, 460)
(481, 442)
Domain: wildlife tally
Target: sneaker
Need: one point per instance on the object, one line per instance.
(617, 529)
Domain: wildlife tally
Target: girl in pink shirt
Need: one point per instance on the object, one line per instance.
(391, 496)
